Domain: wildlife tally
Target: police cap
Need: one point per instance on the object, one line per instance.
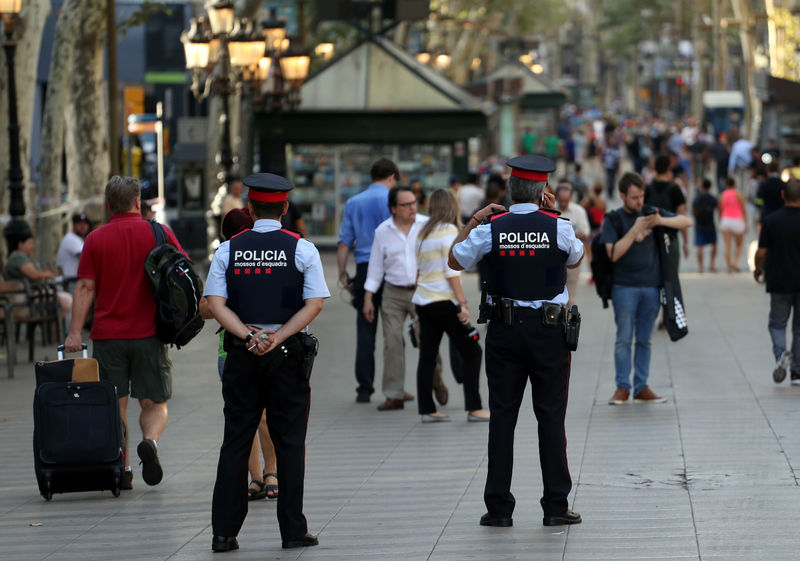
(267, 187)
(532, 168)
(80, 217)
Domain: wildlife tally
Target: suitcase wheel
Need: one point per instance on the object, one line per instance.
(117, 483)
(47, 493)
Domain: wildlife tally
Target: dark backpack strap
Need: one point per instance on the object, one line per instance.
(616, 222)
(158, 232)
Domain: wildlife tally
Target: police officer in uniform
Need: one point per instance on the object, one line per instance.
(527, 251)
(264, 287)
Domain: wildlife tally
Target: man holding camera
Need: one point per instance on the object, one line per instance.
(636, 290)
(264, 287)
(527, 251)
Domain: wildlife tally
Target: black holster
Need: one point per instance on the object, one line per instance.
(572, 329)
(309, 345)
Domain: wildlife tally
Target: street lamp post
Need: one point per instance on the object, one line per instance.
(9, 9)
(224, 53)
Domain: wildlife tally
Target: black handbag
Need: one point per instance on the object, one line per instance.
(671, 295)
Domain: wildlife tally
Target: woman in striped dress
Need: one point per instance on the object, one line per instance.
(442, 308)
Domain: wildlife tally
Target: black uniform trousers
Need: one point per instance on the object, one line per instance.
(515, 354)
(249, 385)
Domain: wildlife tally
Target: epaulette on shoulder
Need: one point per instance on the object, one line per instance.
(240, 233)
(495, 217)
(295, 235)
(551, 212)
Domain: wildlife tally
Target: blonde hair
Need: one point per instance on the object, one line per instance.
(442, 209)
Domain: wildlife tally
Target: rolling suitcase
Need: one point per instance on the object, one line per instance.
(77, 436)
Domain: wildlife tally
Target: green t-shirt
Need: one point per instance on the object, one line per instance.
(551, 146)
(222, 353)
(15, 263)
(529, 142)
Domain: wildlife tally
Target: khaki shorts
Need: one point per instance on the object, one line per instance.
(140, 367)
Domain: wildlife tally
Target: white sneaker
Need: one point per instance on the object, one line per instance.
(779, 374)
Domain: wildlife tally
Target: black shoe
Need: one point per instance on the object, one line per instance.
(224, 543)
(151, 467)
(127, 481)
(306, 541)
(568, 517)
(489, 520)
(362, 398)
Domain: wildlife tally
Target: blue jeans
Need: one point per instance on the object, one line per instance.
(635, 311)
(780, 308)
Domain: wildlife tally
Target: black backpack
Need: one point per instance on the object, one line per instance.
(602, 267)
(178, 291)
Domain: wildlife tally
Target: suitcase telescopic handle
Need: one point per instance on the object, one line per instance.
(84, 348)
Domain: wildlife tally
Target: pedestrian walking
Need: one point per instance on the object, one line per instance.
(579, 220)
(362, 215)
(635, 291)
(442, 308)
(264, 287)
(528, 250)
(778, 259)
(705, 232)
(732, 223)
(393, 265)
(124, 329)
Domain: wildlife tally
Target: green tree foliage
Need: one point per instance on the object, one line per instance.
(626, 23)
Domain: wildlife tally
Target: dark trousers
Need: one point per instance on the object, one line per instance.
(365, 333)
(526, 351)
(249, 385)
(434, 320)
(780, 308)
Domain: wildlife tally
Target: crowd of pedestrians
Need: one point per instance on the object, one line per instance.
(409, 247)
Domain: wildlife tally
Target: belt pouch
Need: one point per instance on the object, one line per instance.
(551, 315)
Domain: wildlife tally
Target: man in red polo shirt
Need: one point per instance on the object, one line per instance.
(111, 271)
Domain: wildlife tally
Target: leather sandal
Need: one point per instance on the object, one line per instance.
(271, 491)
(256, 494)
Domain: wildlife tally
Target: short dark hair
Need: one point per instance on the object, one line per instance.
(730, 182)
(472, 178)
(121, 192)
(662, 164)
(267, 210)
(393, 194)
(578, 167)
(706, 184)
(629, 179)
(493, 191)
(791, 193)
(13, 240)
(678, 170)
(384, 168)
(774, 166)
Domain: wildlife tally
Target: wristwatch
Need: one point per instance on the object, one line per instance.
(249, 336)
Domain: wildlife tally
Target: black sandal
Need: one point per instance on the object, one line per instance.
(271, 490)
(256, 494)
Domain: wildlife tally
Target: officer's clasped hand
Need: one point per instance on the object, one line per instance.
(262, 342)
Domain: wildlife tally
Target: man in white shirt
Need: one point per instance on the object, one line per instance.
(71, 246)
(470, 197)
(393, 261)
(579, 221)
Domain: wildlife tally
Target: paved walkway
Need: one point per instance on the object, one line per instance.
(709, 475)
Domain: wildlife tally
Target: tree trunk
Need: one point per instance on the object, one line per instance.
(752, 115)
(33, 16)
(49, 225)
(87, 141)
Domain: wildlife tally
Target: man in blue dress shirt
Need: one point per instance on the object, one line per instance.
(527, 251)
(362, 215)
(264, 287)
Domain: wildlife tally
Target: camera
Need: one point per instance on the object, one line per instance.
(412, 333)
(471, 333)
